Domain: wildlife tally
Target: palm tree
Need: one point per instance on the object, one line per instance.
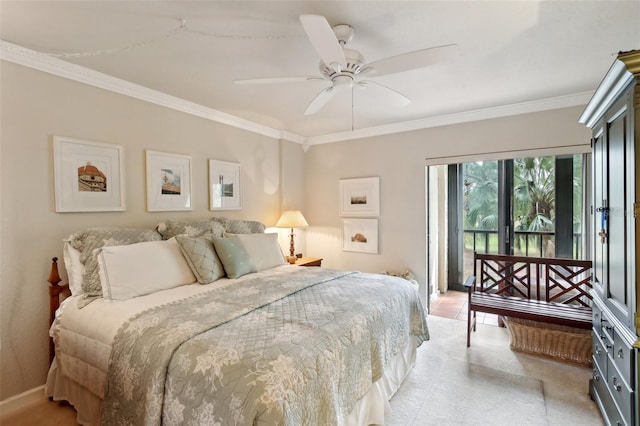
(534, 197)
(480, 198)
(481, 195)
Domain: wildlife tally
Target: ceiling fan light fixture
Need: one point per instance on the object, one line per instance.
(343, 80)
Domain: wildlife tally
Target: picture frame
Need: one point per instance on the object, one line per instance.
(88, 176)
(360, 235)
(168, 181)
(225, 191)
(360, 197)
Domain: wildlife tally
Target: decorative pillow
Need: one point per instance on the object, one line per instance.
(171, 228)
(74, 267)
(234, 257)
(263, 249)
(244, 227)
(92, 238)
(201, 257)
(143, 268)
(224, 221)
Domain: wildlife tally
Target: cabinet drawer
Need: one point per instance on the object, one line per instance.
(622, 394)
(599, 354)
(623, 356)
(601, 394)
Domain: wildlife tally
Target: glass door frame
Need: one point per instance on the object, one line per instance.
(563, 167)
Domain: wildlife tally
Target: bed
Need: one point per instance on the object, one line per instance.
(205, 323)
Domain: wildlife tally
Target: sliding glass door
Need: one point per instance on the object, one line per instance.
(525, 206)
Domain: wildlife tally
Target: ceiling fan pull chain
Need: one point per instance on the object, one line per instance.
(352, 127)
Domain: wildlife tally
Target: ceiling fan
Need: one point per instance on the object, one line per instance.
(344, 67)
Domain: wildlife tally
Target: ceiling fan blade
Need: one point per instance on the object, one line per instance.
(276, 80)
(412, 60)
(323, 39)
(399, 98)
(320, 100)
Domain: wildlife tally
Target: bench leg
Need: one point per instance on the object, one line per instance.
(468, 329)
(471, 325)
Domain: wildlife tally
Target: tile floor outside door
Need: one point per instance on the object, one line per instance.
(453, 304)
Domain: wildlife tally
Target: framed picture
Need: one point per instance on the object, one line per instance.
(360, 235)
(224, 186)
(168, 182)
(360, 197)
(88, 176)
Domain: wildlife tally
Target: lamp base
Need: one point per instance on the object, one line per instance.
(292, 259)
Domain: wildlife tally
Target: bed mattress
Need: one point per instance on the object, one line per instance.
(85, 337)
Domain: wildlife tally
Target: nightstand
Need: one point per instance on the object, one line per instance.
(309, 261)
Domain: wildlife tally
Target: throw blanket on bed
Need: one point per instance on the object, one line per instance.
(296, 348)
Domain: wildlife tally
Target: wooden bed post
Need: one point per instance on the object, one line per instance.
(54, 299)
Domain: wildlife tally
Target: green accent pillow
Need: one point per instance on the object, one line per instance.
(234, 257)
(201, 257)
(263, 249)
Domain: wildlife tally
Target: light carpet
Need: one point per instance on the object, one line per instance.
(488, 384)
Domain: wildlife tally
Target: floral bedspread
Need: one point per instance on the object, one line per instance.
(294, 349)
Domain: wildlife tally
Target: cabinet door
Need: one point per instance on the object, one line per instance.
(619, 294)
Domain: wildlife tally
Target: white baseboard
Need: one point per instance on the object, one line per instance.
(15, 403)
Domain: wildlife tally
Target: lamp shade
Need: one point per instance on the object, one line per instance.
(292, 219)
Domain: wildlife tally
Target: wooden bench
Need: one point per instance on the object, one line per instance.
(545, 290)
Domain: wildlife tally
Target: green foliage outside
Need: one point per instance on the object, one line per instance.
(533, 201)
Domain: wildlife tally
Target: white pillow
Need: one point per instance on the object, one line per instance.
(263, 250)
(137, 269)
(74, 267)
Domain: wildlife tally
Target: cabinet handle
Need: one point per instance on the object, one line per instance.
(608, 346)
(598, 352)
(596, 376)
(620, 353)
(616, 386)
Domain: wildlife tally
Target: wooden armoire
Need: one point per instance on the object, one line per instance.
(613, 114)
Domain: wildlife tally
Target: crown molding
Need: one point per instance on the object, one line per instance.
(624, 70)
(42, 62)
(576, 99)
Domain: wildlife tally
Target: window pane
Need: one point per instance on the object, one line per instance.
(534, 204)
(480, 210)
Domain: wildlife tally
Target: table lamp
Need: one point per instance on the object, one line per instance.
(292, 219)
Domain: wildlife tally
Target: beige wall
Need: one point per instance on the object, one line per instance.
(399, 161)
(275, 174)
(34, 107)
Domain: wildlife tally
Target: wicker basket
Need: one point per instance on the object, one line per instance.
(554, 341)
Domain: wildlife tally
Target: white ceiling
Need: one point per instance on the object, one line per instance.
(510, 53)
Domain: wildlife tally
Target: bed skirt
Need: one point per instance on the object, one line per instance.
(369, 410)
